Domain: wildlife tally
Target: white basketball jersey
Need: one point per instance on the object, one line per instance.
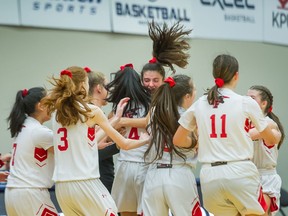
(76, 152)
(31, 164)
(265, 157)
(223, 129)
(137, 154)
(190, 154)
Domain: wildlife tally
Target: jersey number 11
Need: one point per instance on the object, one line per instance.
(223, 126)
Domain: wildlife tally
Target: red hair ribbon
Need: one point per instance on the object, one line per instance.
(270, 109)
(1, 163)
(66, 72)
(153, 60)
(126, 65)
(87, 69)
(24, 93)
(219, 82)
(170, 80)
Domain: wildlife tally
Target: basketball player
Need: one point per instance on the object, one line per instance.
(98, 94)
(265, 157)
(170, 173)
(79, 190)
(32, 161)
(131, 169)
(230, 182)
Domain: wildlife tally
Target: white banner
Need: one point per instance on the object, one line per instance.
(229, 19)
(132, 16)
(72, 14)
(276, 21)
(9, 14)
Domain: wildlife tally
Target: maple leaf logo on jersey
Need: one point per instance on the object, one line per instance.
(220, 100)
(247, 125)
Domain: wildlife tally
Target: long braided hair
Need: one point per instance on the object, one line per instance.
(266, 95)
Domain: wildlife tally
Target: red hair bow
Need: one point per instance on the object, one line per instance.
(66, 72)
(153, 60)
(87, 69)
(170, 81)
(126, 65)
(270, 109)
(219, 82)
(24, 92)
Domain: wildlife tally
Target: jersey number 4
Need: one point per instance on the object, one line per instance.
(213, 133)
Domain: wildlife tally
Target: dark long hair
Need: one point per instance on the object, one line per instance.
(266, 95)
(127, 83)
(224, 67)
(169, 45)
(164, 116)
(25, 104)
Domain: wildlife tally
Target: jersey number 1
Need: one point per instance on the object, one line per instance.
(223, 126)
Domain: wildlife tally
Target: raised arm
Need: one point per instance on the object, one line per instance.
(101, 120)
(132, 122)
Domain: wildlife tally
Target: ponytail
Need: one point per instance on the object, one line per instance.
(24, 106)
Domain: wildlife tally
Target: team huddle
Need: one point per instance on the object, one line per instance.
(161, 134)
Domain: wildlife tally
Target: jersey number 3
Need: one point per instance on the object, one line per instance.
(213, 133)
(64, 145)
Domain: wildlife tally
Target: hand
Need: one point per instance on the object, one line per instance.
(102, 145)
(3, 176)
(120, 107)
(6, 157)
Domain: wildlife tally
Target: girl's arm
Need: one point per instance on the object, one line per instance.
(182, 137)
(132, 122)
(276, 134)
(101, 120)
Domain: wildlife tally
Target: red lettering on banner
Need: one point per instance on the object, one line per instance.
(283, 4)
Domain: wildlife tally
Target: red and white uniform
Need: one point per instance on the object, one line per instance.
(265, 159)
(223, 137)
(78, 187)
(167, 180)
(130, 171)
(31, 169)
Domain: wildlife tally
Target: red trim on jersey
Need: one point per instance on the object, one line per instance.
(196, 210)
(262, 201)
(46, 211)
(40, 154)
(273, 205)
(267, 145)
(91, 133)
(109, 213)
